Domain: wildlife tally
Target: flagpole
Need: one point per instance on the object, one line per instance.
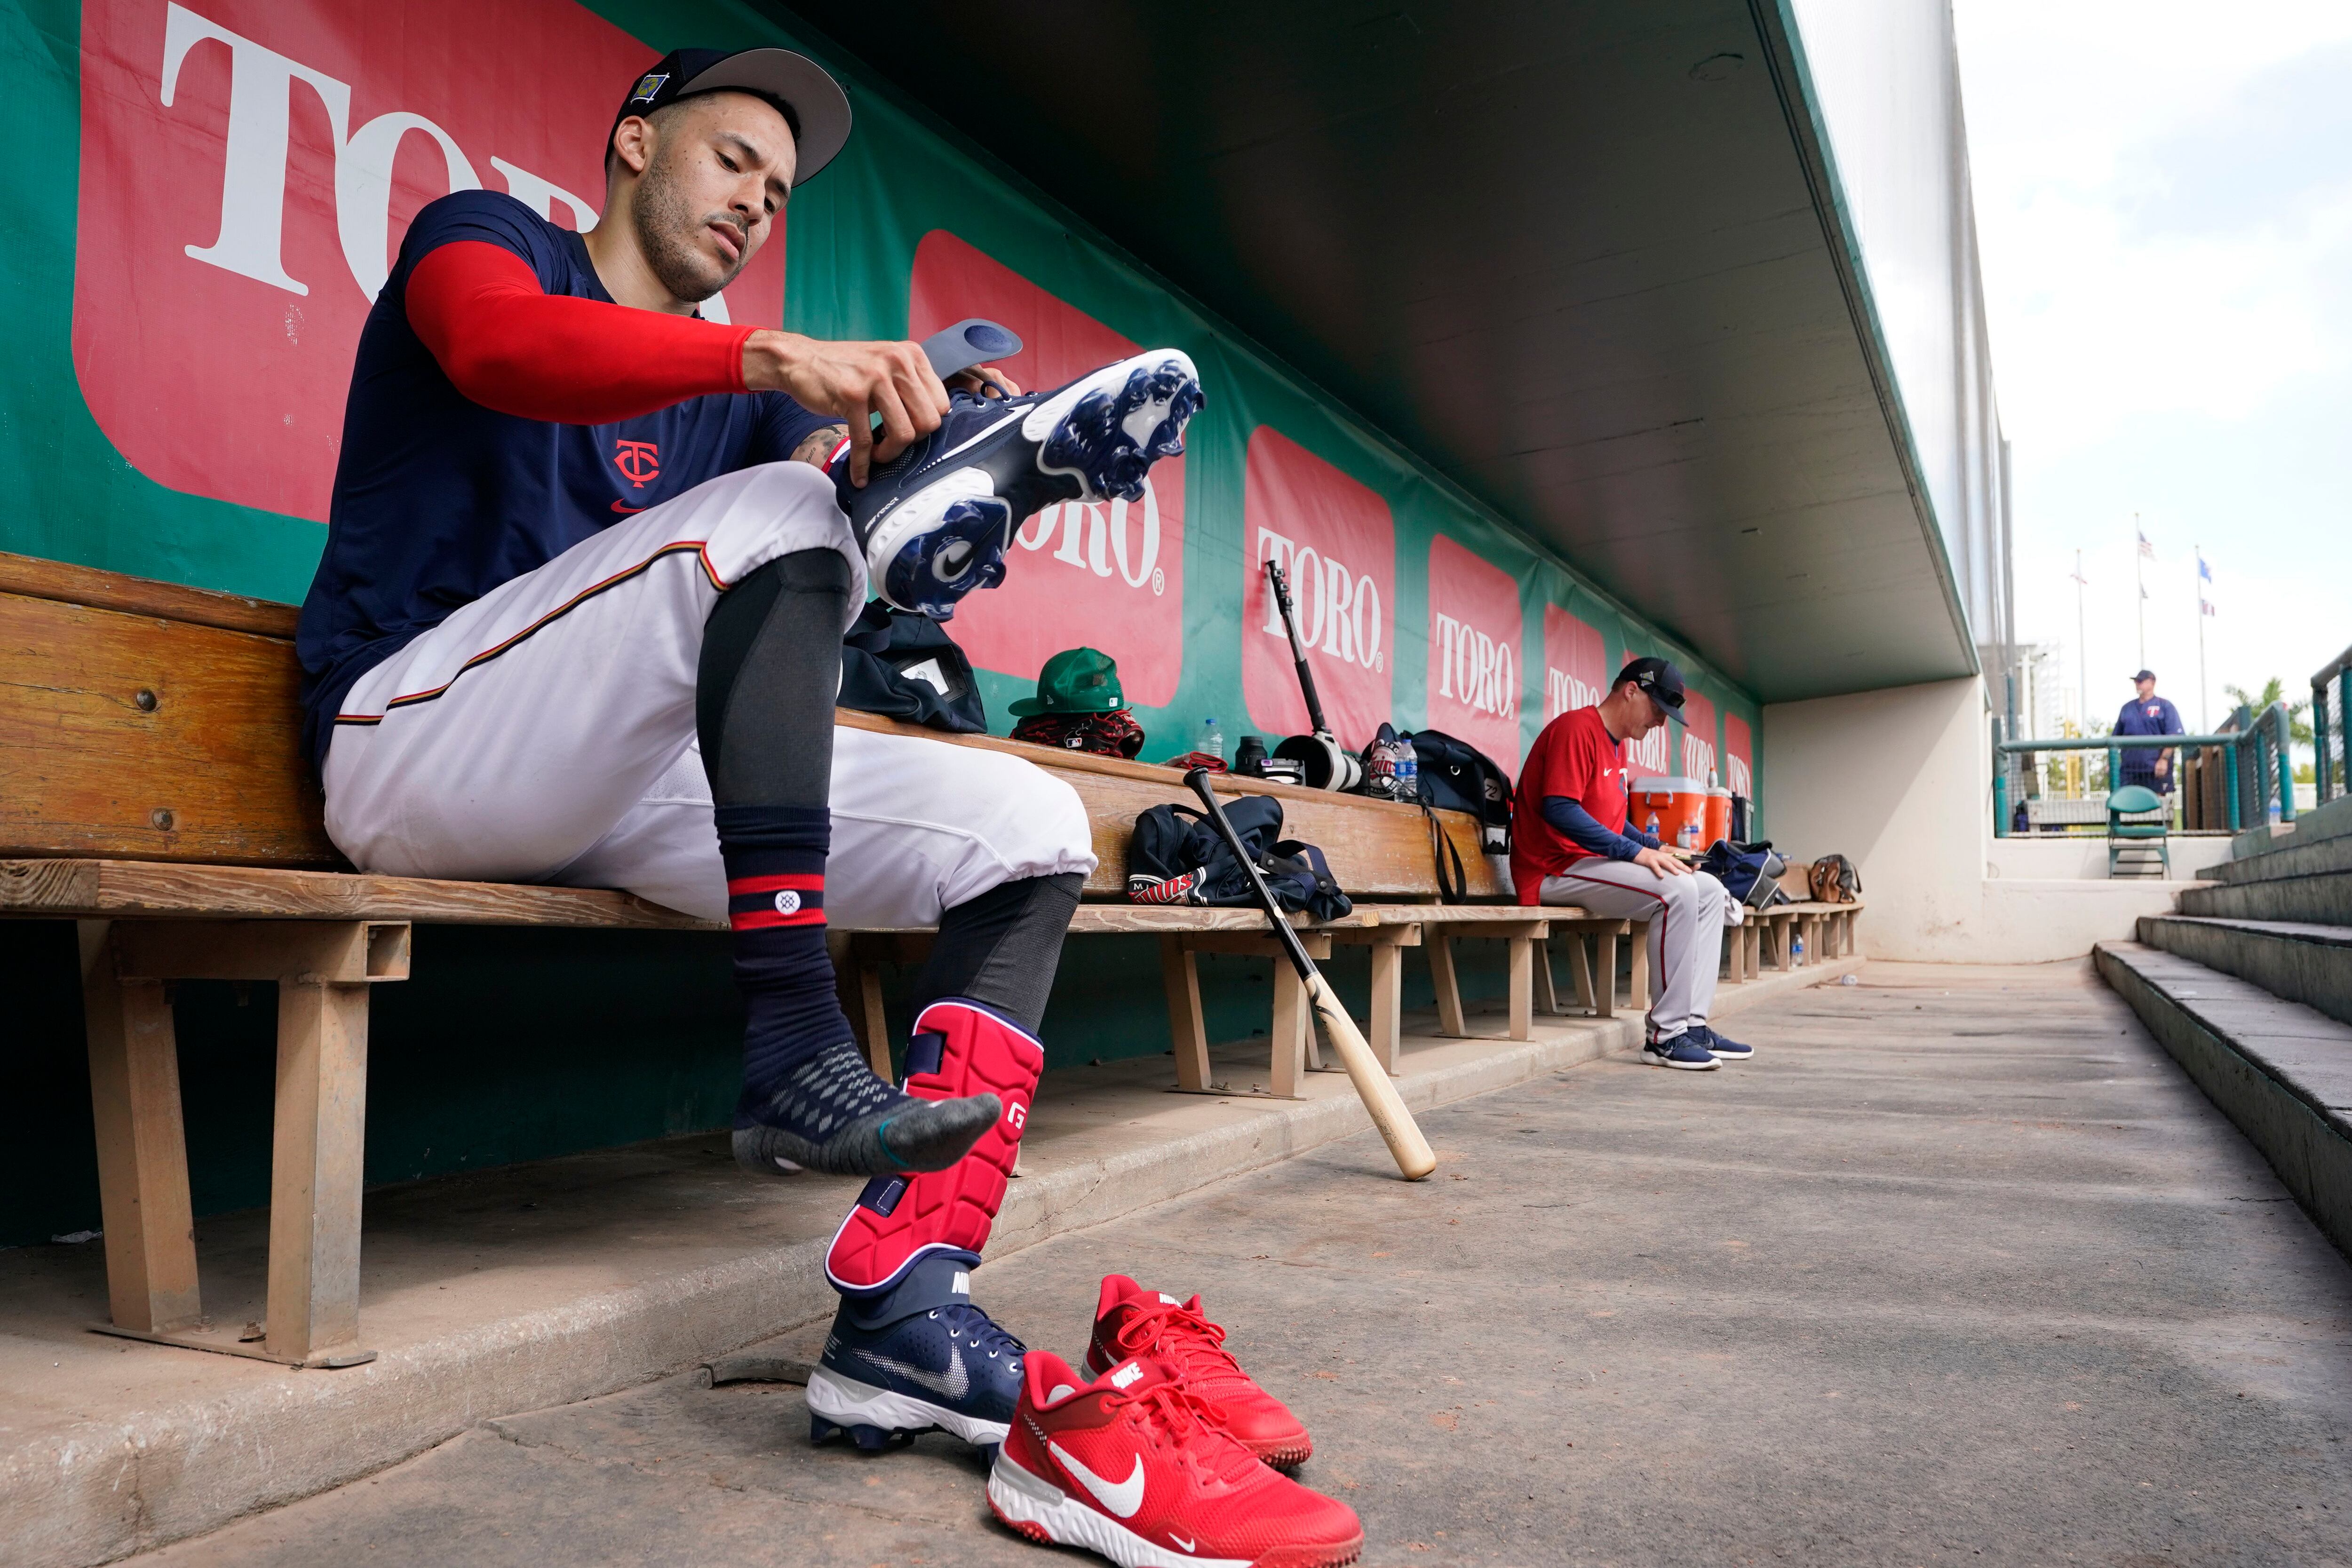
(2082, 647)
(2140, 580)
(2204, 702)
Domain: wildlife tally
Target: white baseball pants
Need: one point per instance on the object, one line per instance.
(1686, 916)
(545, 734)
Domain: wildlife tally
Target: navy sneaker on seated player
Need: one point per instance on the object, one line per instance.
(936, 520)
(1722, 1050)
(916, 1358)
(1684, 1051)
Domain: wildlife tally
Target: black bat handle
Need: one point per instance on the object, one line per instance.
(1198, 778)
(1297, 653)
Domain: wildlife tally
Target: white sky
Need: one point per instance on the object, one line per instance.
(2164, 201)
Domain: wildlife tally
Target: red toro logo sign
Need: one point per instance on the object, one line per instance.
(1094, 575)
(1336, 543)
(1473, 651)
(1739, 756)
(1576, 672)
(248, 167)
(1698, 738)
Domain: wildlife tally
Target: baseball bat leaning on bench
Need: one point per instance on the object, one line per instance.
(1364, 1070)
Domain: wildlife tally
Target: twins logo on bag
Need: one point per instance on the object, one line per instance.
(247, 170)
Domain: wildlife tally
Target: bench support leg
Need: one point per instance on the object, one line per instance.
(1580, 970)
(1188, 1030)
(1388, 1005)
(1752, 934)
(1639, 987)
(317, 1159)
(1547, 994)
(1523, 987)
(1604, 973)
(1449, 990)
(143, 1151)
(1291, 1024)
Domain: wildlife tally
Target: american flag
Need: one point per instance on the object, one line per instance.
(2204, 577)
(2147, 549)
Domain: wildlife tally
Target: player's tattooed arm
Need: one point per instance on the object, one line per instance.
(819, 445)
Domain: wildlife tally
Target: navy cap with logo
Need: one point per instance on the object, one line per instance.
(1659, 681)
(802, 90)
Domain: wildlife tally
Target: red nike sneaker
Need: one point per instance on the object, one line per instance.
(1132, 1320)
(1136, 1467)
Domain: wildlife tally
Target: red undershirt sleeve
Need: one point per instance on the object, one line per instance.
(509, 345)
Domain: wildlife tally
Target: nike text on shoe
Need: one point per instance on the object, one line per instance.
(936, 520)
(919, 1358)
(1132, 1320)
(1683, 1050)
(1136, 1467)
(1722, 1050)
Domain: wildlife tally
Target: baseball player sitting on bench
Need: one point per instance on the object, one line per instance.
(1573, 843)
(578, 620)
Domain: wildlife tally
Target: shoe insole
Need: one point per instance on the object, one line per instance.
(968, 343)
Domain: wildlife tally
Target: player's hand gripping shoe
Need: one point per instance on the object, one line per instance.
(1132, 1320)
(936, 520)
(1138, 1468)
(919, 1358)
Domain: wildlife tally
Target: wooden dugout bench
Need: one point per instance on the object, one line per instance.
(1825, 929)
(156, 796)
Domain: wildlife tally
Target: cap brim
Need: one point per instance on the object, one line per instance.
(808, 86)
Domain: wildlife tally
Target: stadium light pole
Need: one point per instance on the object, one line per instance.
(2082, 647)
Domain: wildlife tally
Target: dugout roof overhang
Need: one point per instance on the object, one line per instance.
(1585, 259)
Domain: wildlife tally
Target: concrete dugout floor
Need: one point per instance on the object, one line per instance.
(1960, 1269)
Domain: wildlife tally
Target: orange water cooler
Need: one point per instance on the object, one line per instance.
(1679, 807)
(1719, 816)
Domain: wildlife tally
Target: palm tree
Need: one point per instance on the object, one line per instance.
(2298, 715)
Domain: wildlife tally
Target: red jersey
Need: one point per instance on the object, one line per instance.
(1574, 757)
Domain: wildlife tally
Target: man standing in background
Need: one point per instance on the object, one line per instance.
(2148, 714)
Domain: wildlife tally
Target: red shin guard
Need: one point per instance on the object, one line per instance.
(959, 1048)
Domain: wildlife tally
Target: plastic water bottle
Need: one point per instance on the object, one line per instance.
(1213, 739)
(1408, 770)
(1690, 835)
(1796, 948)
(1652, 827)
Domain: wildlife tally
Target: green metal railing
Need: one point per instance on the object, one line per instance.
(2329, 773)
(2257, 763)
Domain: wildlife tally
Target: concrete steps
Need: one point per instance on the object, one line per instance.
(2322, 898)
(2280, 1071)
(2292, 856)
(2302, 962)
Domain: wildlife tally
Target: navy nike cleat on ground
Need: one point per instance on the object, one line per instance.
(936, 520)
(1722, 1050)
(1683, 1050)
(920, 1357)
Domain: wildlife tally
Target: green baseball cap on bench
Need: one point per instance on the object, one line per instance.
(1075, 680)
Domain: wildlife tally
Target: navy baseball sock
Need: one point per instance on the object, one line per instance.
(809, 1099)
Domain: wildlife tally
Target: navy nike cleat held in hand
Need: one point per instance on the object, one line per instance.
(936, 520)
(917, 1358)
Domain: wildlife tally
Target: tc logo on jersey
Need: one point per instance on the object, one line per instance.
(788, 902)
(638, 461)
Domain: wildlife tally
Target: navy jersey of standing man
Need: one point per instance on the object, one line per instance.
(2148, 714)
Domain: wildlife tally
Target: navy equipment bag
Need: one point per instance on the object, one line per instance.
(1175, 856)
(1750, 873)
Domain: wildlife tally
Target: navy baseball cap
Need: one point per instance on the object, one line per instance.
(802, 90)
(1659, 681)
(2145, 676)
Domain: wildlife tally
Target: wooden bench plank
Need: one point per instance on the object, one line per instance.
(66, 889)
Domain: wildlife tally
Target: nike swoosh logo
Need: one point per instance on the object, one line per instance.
(955, 1382)
(1123, 1498)
(1187, 1546)
(618, 508)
